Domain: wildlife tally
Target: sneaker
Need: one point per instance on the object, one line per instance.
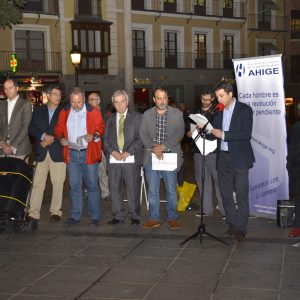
(71, 221)
(294, 232)
(151, 224)
(95, 223)
(199, 214)
(173, 224)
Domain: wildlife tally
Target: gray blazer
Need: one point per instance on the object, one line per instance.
(133, 144)
(175, 131)
(18, 127)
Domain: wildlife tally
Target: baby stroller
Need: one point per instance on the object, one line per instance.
(15, 187)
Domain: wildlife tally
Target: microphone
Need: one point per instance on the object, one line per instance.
(218, 108)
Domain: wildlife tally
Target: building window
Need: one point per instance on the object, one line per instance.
(295, 68)
(228, 47)
(93, 40)
(88, 8)
(170, 49)
(30, 50)
(295, 24)
(138, 48)
(170, 6)
(200, 48)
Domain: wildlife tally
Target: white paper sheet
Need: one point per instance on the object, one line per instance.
(128, 160)
(200, 119)
(168, 163)
(210, 146)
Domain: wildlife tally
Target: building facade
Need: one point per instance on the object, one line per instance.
(184, 45)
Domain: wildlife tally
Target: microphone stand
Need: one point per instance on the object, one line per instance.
(202, 227)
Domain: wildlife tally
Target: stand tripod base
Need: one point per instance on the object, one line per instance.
(201, 231)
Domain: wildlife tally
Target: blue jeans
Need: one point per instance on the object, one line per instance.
(78, 170)
(153, 182)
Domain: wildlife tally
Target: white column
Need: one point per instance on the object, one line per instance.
(128, 52)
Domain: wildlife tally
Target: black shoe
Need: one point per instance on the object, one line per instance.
(115, 221)
(55, 218)
(230, 230)
(34, 225)
(135, 222)
(71, 221)
(95, 223)
(239, 236)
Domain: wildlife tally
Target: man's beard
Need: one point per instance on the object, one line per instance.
(162, 106)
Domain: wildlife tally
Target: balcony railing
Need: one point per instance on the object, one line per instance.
(182, 60)
(48, 7)
(265, 22)
(90, 9)
(214, 8)
(34, 61)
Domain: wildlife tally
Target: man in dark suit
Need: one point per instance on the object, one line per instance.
(48, 152)
(233, 128)
(123, 148)
(15, 116)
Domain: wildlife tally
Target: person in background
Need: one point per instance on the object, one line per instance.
(122, 143)
(211, 175)
(293, 167)
(48, 151)
(15, 116)
(161, 131)
(94, 100)
(79, 129)
(233, 128)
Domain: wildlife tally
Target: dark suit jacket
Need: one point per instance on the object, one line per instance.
(39, 125)
(238, 136)
(18, 127)
(133, 144)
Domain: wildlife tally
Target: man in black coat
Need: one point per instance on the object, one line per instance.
(233, 128)
(48, 151)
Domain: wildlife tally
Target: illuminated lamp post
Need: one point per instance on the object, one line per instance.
(76, 58)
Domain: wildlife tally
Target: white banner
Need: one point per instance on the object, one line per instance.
(260, 85)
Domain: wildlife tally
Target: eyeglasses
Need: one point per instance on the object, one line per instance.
(56, 94)
(93, 99)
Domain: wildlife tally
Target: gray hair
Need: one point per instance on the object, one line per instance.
(76, 91)
(120, 93)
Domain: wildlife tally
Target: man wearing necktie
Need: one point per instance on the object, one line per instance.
(123, 148)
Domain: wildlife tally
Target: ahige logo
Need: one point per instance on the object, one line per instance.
(240, 70)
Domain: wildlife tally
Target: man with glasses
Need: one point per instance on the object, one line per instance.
(94, 100)
(48, 151)
(207, 106)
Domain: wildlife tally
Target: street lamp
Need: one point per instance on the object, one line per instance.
(76, 58)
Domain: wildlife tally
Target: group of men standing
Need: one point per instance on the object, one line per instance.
(70, 138)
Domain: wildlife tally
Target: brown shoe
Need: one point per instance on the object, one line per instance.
(173, 224)
(151, 224)
(239, 236)
(55, 218)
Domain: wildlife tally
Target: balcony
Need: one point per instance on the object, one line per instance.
(34, 61)
(264, 22)
(212, 8)
(184, 60)
(47, 7)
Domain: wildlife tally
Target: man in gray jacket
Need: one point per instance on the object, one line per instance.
(161, 131)
(15, 116)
